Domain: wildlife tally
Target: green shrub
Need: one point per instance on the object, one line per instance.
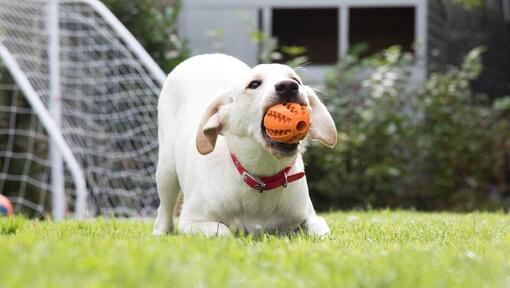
(155, 28)
(433, 146)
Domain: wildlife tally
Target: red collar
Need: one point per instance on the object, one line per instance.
(266, 183)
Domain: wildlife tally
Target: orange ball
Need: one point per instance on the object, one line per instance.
(5, 206)
(287, 123)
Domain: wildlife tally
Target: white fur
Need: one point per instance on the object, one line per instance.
(216, 200)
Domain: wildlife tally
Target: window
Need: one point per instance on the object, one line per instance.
(381, 28)
(314, 29)
(326, 28)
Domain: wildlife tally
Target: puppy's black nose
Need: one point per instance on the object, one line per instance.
(287, 89)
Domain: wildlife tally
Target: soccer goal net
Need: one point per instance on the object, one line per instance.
(78, 99)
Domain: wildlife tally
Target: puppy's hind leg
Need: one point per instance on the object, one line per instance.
(168, 191)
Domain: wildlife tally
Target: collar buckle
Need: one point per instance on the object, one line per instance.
(286, 179)
(260, 186)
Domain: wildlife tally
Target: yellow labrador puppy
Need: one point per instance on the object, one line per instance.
(213, 147)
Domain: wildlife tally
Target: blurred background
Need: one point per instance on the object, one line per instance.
(418, 89)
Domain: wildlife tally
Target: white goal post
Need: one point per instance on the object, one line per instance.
(93, 88)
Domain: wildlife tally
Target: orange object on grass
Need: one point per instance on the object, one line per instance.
(287, 123)
(5, 206)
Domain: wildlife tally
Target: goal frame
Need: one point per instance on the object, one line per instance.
(60, 152)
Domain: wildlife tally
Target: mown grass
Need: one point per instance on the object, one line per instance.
(366, 249)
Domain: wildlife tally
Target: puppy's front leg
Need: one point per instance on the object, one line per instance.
(209, 228)
(168, 191)
(316, 226)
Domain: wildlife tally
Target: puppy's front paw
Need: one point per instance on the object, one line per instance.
(162, 227)
(222, 230)
(206, 229)
(317, 227)
(158, 233)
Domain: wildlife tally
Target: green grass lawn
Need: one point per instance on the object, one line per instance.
(366, 249)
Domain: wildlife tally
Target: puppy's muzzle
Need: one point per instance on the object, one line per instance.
(287, 91)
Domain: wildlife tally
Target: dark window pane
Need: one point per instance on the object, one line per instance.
(314, 29)
(381, 28)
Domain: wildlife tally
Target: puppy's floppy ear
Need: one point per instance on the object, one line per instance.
(323, 127)
(210, 125)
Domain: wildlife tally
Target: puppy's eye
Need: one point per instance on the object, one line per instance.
(254, 84)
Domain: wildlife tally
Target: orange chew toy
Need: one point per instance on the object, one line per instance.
(287, 123)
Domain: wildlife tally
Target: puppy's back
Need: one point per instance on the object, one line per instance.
(189, 89)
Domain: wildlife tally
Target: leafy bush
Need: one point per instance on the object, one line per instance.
(155, 28)
(431, 146)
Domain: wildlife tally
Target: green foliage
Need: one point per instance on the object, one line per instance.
(155, 27)
(469, 4)
(368, 249)
(429, 147)
(270, 51)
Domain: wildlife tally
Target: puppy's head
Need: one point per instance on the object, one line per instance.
(240, 111)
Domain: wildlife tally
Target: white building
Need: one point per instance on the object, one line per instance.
(327, 28)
